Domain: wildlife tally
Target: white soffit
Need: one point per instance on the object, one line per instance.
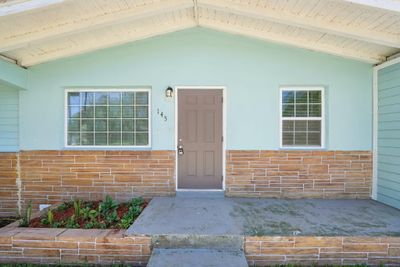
(366, 30)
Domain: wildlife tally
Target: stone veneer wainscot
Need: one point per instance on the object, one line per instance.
(299, 174)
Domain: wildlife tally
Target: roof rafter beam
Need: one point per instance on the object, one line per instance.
(196, 12)
(278, 38)
(88, 24)
(303, 22)
(391, 5)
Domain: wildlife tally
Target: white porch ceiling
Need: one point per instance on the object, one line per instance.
(366, 30)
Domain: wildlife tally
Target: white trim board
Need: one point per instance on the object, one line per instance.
(374, 193)
(224, 113)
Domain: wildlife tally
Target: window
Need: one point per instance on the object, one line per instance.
(108, 118)
(302, 117)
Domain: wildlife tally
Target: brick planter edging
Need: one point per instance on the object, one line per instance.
(44, 245)
(338, 250)
(92, 246)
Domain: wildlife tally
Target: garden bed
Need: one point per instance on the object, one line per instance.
(106, 214)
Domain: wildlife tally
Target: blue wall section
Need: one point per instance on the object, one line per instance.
(9, 134)
(12, 75)
(389, 135)
(251, 70)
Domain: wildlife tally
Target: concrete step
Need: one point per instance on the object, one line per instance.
(196, 258)
(219, 242)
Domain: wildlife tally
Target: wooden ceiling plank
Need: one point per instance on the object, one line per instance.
(304, 22)
(280, 38)
(145, 31)
(108, 19)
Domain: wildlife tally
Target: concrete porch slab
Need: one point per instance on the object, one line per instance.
(266, 217)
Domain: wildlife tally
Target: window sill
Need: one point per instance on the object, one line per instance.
(108, 148)
(302, 148)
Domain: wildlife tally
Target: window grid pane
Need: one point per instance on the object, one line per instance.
(301, 118)
(108, 118)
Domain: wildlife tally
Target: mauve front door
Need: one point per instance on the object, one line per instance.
(200, 124)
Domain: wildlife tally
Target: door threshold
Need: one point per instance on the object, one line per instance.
(200, 193)
(200, 190)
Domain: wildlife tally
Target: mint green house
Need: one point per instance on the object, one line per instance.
(251, 99)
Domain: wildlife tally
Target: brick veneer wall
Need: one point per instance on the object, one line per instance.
(299, 174)
(50, 177)
(54, 176)
(8, 184)
(270, 250)
(34, 245)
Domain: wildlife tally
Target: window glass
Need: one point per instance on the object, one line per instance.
(108, 118)
(301, 117)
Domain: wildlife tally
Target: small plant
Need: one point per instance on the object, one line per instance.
(71, 222)
(28, 214)
(108, 206)
(138, 201)
(135, 208)
(93, 215)
(85, 213)
(50, 217)
(77, 208)
(111, 217)
(62, 207)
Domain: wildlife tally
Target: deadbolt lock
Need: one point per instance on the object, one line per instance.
(180, 150)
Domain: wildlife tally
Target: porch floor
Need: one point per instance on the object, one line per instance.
(266, 217)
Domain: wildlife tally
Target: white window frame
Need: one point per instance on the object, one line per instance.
(66, 91)
(322, 118)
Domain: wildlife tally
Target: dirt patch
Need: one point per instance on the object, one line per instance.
(7, 220)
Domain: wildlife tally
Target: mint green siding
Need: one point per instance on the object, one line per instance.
(12, 75)
(389, 135)
(8, 119)
(252, 71)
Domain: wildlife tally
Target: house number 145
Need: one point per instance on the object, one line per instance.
(162, 114)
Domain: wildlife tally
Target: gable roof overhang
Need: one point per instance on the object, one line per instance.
(365, 30)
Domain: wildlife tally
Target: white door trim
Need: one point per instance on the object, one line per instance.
(224, 109)
(374, 193)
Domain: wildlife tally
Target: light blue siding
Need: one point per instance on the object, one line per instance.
(9, 130)
(12, 75)
(252, 71)
(389, 135)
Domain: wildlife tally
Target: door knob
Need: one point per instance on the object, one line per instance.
(180, 150)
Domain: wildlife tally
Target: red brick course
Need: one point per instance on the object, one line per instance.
(8, 186)
(50, 177)
(299, 174)
(276, 250)
(35, 245)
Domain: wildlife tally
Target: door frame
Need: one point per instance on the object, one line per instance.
(224, 109)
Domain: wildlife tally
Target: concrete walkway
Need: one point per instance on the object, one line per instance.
(237, 217)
